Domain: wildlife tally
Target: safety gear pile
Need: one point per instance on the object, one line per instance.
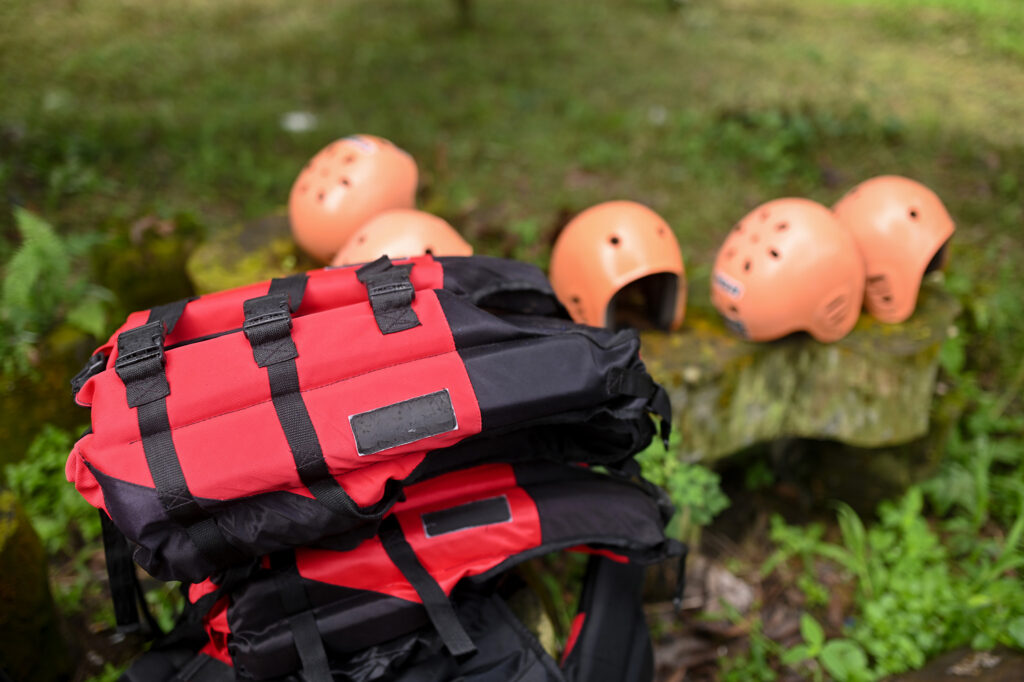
(343, 463)
(794, 265)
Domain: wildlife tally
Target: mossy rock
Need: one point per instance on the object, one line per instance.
(243, 254)
(32, 648)
(872, 389)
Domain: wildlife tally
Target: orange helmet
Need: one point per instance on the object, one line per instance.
(617, 259)
(348, 182)
(399, 233)
(902, 230)
(789, 266)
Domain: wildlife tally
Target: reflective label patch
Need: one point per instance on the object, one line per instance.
(403, 423)
(728, 285)
(470, 515)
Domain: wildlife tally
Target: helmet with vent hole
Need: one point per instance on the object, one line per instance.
(402, 233)
(348, 182)
(789, 266)
(903, 232)
(618, 264)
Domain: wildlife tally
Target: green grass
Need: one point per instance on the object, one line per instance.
(113, 110)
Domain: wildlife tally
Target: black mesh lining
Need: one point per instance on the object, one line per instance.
(647, 302)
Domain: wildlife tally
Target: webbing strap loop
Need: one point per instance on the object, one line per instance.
(140, 363)
(638, 383)
(268, 326)
(391, 294)
(439, 607)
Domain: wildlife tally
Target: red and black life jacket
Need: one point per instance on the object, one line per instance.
(418, 595)
(267, 417)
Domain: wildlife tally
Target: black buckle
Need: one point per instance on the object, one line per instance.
(388, 288)
(96, 364)
(268, 326)
(140, 363)
(267, 317)
(140, 348)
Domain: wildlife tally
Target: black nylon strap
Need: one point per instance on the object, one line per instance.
(391, 294)
(435, 601)
(172, 489)
(268, 328)
(677, 598)
(294, 286)
(169, 313)
(140, 363)
(121, 575)
(305, 633)
(639, 383)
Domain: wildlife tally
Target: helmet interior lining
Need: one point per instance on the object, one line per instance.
(649, 302)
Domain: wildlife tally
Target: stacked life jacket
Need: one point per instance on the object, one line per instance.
(293, 414)
(417, 600)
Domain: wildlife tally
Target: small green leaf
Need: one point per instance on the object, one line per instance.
(844, 660)
(798, 653)
(90, 316)
(1016, 630)
(812, 632)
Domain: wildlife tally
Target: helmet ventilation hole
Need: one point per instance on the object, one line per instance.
(781, 226)
(913, 213)
(614, 240)
(730, 253)
(362, 238)
(319, 196)
(576, 300)
(350, 158)
(344, 181)
(773, 253)
(429, 251)
(746, 265)
(733, 309)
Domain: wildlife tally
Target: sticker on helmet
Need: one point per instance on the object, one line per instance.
(728, 285)
(367, 146)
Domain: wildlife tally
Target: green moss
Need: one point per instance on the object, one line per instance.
(874, 388)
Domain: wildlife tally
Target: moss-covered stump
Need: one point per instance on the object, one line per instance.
(874, 388)
(244, 254)
(31, 646)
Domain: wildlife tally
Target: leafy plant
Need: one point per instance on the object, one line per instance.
(61, 517)
(916, 596)
(694, 489)
(41, 288)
